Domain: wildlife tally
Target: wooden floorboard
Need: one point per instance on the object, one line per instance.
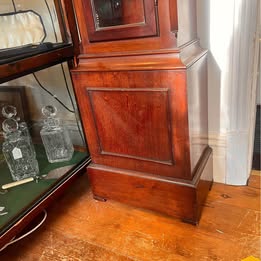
(80, 228)
(255, 179)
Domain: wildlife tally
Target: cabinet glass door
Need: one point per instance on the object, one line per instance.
(120, 19)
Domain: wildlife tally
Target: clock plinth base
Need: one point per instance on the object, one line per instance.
(174, 197)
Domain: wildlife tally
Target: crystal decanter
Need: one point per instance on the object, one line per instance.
(10, 112)
(18, 153)
(55, 137)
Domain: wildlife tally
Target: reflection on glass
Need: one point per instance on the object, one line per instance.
(118, 12)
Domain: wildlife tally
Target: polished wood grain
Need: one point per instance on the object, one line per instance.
(138, 128)
(153, 61)
(128, 16)
(80, 228)
(70, 22)
(254, 180)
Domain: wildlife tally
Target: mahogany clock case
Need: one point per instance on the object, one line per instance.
(143, 99)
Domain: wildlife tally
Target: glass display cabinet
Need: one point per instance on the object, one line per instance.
(140, 83)
(42, 144)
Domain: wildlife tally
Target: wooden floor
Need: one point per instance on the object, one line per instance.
(80, 228)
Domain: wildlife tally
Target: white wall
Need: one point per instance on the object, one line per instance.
(259, 75)
(227, 29)
(258, 92)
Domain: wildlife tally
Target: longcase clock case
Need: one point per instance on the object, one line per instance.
(141, 84)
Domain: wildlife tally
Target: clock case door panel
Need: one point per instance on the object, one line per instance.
(115, 20)
(156, 31)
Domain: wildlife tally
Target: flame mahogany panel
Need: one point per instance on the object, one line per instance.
(137, 118)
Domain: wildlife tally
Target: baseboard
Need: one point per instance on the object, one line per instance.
(230, 153)
(219, 147)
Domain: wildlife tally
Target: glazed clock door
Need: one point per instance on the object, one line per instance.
(120, 19)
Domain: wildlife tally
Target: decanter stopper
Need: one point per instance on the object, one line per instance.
(9, 111)
(10, 125)
(49, 111)
(55, 137)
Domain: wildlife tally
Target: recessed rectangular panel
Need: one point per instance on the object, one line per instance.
(133, 123)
